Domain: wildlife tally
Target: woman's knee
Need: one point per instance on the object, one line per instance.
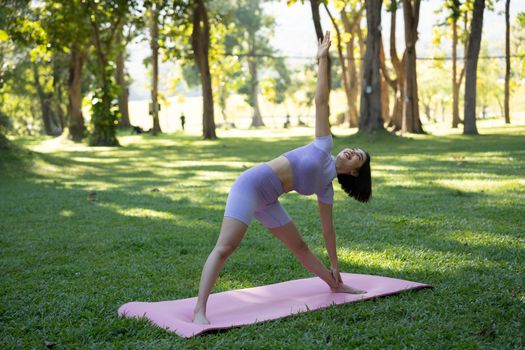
(223, 251)
(301, 248)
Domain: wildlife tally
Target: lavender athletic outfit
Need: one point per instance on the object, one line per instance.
(256, 191)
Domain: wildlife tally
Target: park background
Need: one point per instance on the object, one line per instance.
(295, 39)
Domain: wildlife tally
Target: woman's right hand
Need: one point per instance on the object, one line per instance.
(324, 46)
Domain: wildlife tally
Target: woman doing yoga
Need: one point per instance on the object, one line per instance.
(307, 170)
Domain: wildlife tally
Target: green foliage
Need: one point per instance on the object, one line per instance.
(104, 115)
(66, 24)
(5, 125)
(490, 82)
(434, 87)
(275, 87)
(457, 11)
(518, 39)
(447, 210)
(105, 19)
(250, 38)
(17, 92)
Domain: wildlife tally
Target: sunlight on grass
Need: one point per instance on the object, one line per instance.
(479, 239)
(142, 213)
(476, 183)
(66, 213)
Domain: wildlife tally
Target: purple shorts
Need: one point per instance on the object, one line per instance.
(255, 193)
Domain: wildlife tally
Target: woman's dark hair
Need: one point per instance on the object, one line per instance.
(360, 186)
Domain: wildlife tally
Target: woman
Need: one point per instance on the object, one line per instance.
(307, 170)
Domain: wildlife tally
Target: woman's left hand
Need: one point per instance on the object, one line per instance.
(324, 45)
(337, 275)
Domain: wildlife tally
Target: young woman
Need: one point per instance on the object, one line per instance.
(307, 170)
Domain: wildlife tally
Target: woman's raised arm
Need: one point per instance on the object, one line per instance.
(322, 93)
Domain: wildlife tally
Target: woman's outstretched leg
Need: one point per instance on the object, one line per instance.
(232, 232)
(290, 236)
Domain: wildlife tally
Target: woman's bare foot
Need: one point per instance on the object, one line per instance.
(200, 318)
(343, 288)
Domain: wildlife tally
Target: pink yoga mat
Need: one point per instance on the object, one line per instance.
(253, 305)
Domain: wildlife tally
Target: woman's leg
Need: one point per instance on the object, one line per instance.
(232, 232)
(289, 235)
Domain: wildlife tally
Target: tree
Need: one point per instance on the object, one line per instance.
(398, 83)
(68, 30)
(45, 95)
(24, 26)
(371, 119)
(519, 43)
(434, 86)
(507, 62)
(474, 44)
(120, 77)
(350, 14)
(18, 102)
(105, 19)
(190, 20)
(351, 18)
(489, 90)
(4, 125)
(276, 86)
(455, 13)
(411, 121)
(314, 6)
(154, 8)
(200, 41)
(226, 76)
(225, 68)
(457, 17)
(251, 36)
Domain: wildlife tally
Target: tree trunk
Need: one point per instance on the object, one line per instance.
(411, 121)
(59, 117)
(352, 28)
(75, 118)
(46, 99)
(342, 60)
(507, 61)
(474, 43)
(455, 85)
(223, 97)
(254, 86)
(154, 44)
(104, 120)
(4, 141)
(314, 5)
(385, 107)
(200, 41)
(371, 119)
(121, 82)
(396, 120)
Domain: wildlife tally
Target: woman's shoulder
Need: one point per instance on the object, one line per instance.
(324, 143)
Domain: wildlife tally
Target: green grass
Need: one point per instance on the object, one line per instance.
(447, 210)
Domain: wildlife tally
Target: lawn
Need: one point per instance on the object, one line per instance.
(447, 210)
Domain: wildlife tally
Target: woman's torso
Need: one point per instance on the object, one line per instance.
(309, 169)
(282, 167)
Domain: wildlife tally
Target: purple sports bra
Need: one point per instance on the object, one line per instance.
(313, 169)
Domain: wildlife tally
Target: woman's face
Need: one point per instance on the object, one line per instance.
(350, 160)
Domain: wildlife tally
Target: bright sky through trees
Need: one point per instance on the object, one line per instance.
(295, 36)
